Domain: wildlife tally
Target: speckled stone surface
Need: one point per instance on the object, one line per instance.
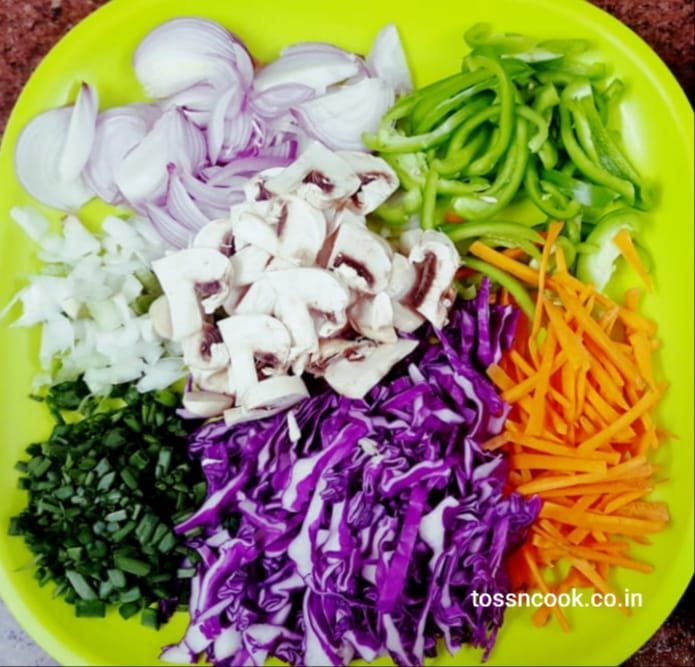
(29, 28)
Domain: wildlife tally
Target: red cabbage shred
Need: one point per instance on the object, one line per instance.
(359, 528)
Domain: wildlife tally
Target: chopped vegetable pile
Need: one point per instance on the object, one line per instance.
(361, 526)
(104, 494)
(406, 384)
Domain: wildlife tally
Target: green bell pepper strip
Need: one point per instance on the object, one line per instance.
(506, 96)
(610, 155)
(506, 184)
(568, 249)
(433, 114)
(597, 267)
(392, 142)
(481, 35)
(574, 68)
(446, 186)
(513, 286)
(508, 242)
(587, 194)
(541, 136)
(472, 230)
(567, 47)
(590, 169)
(429, 200)
(553, 205)
(456, 157)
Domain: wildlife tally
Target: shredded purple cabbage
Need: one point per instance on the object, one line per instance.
(359, 528)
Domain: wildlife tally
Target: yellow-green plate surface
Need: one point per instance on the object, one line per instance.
(658, 130)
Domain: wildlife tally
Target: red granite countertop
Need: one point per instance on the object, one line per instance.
(29, 28)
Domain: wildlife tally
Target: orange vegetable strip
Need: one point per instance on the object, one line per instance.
(651, 511)
(577, 355)
(534, 426)
(623, 241)
(632, 297)
(553, 232)
(643, 356)
(497, 259)
(600, 522)
(612, 487)
(624, 499)
(544, 588)
(543, 462)
(645, 403)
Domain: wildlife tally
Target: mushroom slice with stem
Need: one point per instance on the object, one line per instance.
(218, 235)
(319, 175)
(373, 318)
(205, 350)
(322, 293)
(361, 258)
(255, 190)
(295, 315)
(378, 181)
(252, 230)
(187, 277)
(267, 398)
(401, 281)
(355, 377)
(253, 342)
(206, 403)
(436, 261)
(300, 228)
(249, 264)
(259, 299)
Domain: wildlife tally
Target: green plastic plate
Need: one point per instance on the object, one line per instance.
(658, 127)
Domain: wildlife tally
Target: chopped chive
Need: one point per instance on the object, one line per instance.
(133, 565)
(119, 515)
(117, 578)
(150, 618)
(90, 609)
(130, 595)
(129, 610)
(80, 585)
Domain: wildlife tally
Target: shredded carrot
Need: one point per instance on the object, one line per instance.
(582, 388)
(623, 241)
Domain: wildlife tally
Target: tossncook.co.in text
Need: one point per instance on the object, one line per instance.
(573, 598)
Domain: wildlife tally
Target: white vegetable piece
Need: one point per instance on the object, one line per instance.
(181, 276)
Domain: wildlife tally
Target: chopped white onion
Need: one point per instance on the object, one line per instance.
(80, 134)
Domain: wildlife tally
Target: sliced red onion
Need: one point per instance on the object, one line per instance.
(37, 156)
(182, 208)
(196, 102)
(276, 100)
(142, 174)
(387, 60)
(118, 131)
(317, 66)
(80, 134)
(184, 52)
(238, 131)
(216, 125)
(213, 201)
(340, 118)
(169, 229)
(246, 167)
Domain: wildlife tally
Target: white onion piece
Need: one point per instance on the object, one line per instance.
(339, 118)
(186, 51)
(387, 60)
(276, 100)
(142, 174)
(118, 131)
(182, 208)
(37, 156)
(80, 135)
(317, 66)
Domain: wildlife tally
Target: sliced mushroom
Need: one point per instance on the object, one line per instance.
(317, 175)
(354, 378)
(436, 260)
(253, 342)
(161, 317)
(300, 228)
(334, 348)
(267, 398)
(206, 403)
(378, 181)
(205, 350)
(259, 299)
(249, 264)
(255, 190)
(187, 278)
(215, 381)
(218, 235)
(344, 216)
(373, 317)
(401, 281)
(320, 291)
(405, 319)
(252, 230)
(361, 258)
(295, 315)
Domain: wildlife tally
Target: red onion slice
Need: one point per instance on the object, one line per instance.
(340, 118)
(387, 60)
(181, 207)
(80, 134)
(184, 52)
(37, 155)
